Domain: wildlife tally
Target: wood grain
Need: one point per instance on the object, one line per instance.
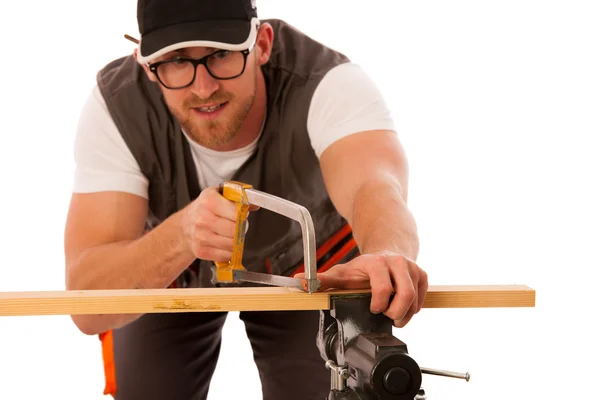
(238, 299)
(479, 296)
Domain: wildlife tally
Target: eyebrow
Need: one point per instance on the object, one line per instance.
(182, 52)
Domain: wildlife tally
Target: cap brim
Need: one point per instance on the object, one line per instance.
(229, 35)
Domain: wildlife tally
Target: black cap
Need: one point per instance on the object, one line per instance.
(167, 25)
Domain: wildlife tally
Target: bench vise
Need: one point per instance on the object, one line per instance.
(366, 361)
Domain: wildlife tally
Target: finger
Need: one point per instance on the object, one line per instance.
(212, 254)
(223, 227)
(420, 283)
(218, 204)
(341, 276)
(401, 306)
(415, 277)
(332, 278)
(423, 287)
(204, 238)
(381, 285)
(225, 208)
(362, 273)
(214, 202)
(206, 220)
(327, 282)
(404, 321)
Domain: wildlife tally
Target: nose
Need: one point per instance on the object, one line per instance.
(204, 85)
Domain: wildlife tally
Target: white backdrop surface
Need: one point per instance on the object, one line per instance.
(497, 104)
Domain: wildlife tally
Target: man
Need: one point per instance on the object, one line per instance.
(213, 94)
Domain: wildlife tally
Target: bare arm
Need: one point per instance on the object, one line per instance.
(106, 248)
(366, 175)
(367, 178)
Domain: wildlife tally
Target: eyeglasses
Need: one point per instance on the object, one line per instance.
(180, 72)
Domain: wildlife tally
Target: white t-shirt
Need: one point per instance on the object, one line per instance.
(346, 101)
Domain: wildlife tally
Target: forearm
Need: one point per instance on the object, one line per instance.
(381, 220)
(152, 261)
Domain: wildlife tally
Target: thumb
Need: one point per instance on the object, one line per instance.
(333, 278)
(328, 280)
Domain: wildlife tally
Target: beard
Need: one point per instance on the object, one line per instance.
(219, 131)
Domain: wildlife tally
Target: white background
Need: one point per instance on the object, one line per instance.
(497, 104)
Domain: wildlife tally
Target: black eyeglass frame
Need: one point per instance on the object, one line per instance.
(195, 62)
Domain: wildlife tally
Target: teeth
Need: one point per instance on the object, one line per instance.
(210, 109)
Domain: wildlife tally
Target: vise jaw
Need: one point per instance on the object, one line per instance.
(366, 360)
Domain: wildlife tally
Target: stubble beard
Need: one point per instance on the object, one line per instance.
(222, 130)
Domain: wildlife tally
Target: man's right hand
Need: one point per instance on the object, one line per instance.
(208, 225)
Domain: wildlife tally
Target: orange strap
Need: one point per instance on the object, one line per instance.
(328, 246)
(106, 339)
(345, 249)
(110, 378)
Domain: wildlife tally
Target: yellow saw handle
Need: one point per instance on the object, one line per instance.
(235, 191)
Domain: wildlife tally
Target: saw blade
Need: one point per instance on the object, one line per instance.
(268, 279)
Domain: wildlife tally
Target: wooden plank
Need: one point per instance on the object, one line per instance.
(479, 296)
(238, 299)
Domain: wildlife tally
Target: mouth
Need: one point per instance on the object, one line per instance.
(210, 111)
(210, 108)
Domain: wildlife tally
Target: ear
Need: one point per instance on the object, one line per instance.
(149, 73)
(264, 43)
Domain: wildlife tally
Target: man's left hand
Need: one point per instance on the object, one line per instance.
(384, 274)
